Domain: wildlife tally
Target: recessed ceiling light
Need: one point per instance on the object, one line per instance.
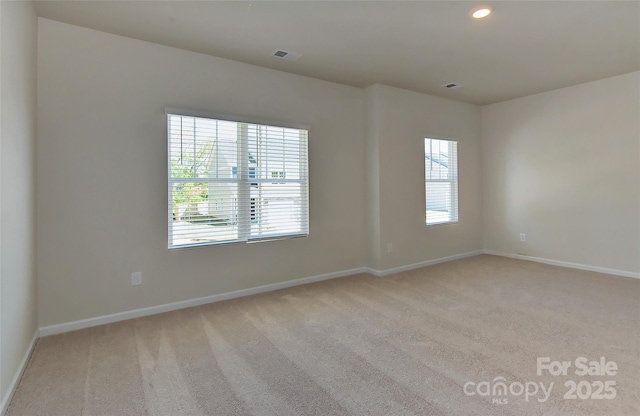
(481, 12)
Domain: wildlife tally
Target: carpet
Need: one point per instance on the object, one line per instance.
(479, 336)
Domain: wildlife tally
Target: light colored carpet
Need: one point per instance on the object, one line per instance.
(400, 345)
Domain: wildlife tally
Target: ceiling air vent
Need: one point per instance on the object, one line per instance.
(286, 55)
(451, 86)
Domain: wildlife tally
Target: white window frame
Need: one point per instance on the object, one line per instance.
(244, 178)
(453, 181)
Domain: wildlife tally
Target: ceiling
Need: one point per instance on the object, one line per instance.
(523, 48)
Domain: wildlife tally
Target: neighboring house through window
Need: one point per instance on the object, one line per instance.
(221, 187)
(441, 181)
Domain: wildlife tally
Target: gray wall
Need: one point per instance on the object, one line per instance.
(402, 120)
(102, 173)
(563, 168)
(101, 159)
(17, 187)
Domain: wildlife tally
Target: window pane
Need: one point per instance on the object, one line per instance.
(441, 181)
(276, 152)
(204, 212)
(278, 210)
(202, 148)
(233, 181)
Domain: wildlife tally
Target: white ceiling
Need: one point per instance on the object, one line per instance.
(524, 47)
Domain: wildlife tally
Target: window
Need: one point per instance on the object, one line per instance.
(221, 187)
(441, 181)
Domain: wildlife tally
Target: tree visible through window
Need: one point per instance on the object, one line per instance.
(441, 181)
(221, 186)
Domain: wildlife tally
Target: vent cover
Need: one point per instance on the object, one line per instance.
(451, 86)
(286, 55)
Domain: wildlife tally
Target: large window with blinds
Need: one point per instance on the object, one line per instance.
(441, 181)
(232, 181)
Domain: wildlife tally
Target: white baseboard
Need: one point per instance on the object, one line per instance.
(152, 310)
(394, 270)
(578, 266)
(6, 400)
(138, 313)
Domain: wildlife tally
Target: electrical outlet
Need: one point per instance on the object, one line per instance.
(136, 278)
(389, 248)
(523, 237)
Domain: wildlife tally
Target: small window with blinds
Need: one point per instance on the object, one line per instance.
(441, 181)
(232, 181)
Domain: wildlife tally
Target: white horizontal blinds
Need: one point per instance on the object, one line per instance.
(233, 181)
(203, 201)
(441, 181)
(279, 188)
